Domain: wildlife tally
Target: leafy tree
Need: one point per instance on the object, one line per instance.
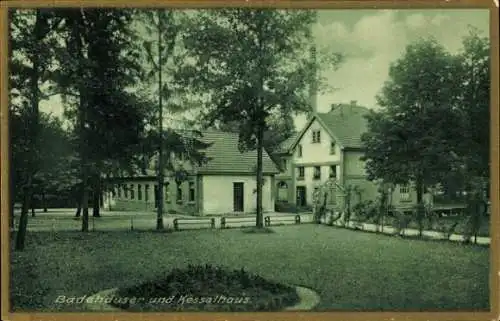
(97, 67)
(409, 140)
(474, 142)
(163, 58)
(32, 44)
(473, 146)
(253, 64)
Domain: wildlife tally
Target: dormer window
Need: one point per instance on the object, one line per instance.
(284, 164)
(316, 137)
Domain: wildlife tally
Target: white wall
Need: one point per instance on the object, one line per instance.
(218, 193)
(317, 152)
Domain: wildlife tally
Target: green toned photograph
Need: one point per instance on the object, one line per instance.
(245, 160)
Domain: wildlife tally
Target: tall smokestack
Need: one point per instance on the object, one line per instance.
(313, 87)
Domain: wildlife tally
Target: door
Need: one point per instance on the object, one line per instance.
(301, 196)
(238, 200)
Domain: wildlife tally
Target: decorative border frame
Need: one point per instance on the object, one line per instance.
(492, 5)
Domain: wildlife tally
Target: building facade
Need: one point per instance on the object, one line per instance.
(329, 149)
(225, 184)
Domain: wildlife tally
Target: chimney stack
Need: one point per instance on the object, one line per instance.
(313, 88)
(354, 102)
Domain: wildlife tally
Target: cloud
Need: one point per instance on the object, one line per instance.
(370, 45)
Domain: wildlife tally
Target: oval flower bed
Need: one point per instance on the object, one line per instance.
(207, 288)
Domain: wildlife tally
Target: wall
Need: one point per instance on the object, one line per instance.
(147, 204)
(316, 152)
(217, 193)
(289, 168)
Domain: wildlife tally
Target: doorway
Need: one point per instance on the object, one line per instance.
(238, 199)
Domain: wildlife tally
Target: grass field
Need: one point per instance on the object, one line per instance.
(348, 269)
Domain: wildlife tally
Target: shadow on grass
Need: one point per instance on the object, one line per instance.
(257, 230)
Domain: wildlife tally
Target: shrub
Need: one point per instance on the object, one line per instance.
(365, 211)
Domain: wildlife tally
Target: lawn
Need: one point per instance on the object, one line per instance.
(350, 270)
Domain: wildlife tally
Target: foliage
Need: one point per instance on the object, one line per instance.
(31, 50)
(365, 210)
(409, 140)
(252, 292)
(252, 64)
(401, 221)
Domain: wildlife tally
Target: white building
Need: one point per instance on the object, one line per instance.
(225, 184)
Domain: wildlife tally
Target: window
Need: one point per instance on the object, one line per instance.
(317, 172)
(299, 150)
(332, 148)
(125, 191)
(284, 163)
(132, 194)
(191, 191)
(316, 136)
(301, 172)
(113, 191)
(404, 189)
(139, 192)
(333, 171)
(167, 192)
(119, 188)
(146, 192)
(404, 192)
(179, 194)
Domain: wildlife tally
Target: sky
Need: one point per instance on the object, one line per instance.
(370, 41)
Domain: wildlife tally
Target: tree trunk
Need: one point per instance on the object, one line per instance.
(23, 220)
(159, 214)
(85, 209)
(44, 202)
(420, 205)
(79, 198)
(33, 133)
(97, 198)
(32, 206)
(259, 223)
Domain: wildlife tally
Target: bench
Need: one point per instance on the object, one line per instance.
(268, 220)
(195, 222)
(244, 221)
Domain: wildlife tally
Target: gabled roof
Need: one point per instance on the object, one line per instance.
(345, 123)
(224, 155)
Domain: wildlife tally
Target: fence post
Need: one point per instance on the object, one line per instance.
(297, 219)
(176, 224)
(131, 223)
(267, 221)
(223, 222)
(212, 222)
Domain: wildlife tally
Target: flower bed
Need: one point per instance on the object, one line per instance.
(207, 288)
